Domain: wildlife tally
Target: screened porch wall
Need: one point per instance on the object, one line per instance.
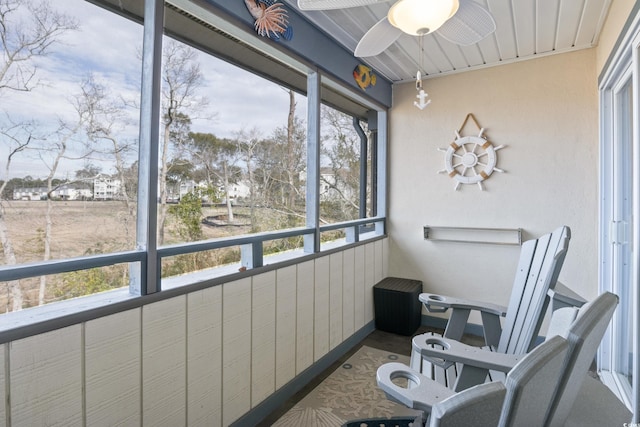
(203, 358)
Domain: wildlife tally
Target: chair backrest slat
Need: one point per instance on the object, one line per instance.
(526, 260)
(481, 403)
(531, 384)
(521, 296)
(529, 298)
(584, 337)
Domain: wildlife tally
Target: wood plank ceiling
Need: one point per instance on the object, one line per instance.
(525, 29)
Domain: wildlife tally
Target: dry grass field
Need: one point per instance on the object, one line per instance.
(78, 228)
(91, 227)
(83, 227)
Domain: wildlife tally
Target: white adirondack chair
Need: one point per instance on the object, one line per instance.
(537, 273)
(522, 400)
(583, 330)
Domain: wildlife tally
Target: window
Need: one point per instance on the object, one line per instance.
(342, 141)
(68, 144)
(233, 158)
(198, 169)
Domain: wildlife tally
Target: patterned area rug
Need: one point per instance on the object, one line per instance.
(349, 393)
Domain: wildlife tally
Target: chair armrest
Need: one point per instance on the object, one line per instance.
(443, 352)
(562, 296)
(422, 392)
(439, 304)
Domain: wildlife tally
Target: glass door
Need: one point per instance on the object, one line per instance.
(618, 267)
(617, 274)
(618, 356)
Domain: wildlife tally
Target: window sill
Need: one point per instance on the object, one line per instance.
(19, 324)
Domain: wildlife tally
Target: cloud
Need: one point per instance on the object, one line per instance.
(108, 46)
(243, 100)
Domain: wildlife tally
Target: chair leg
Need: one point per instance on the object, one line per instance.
(456, 324)
(470, 376)
(416, 360)
(491, 329)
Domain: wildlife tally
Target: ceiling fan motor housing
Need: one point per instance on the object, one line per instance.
(419, 17)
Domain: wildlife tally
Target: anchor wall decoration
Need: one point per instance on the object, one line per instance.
(422, 95)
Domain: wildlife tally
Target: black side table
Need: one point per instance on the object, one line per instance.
(397, 307)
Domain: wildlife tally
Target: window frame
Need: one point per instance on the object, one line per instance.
(145, 261)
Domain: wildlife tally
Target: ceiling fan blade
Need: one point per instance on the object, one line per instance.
(469, 25)
(377, 39)
(335, 4)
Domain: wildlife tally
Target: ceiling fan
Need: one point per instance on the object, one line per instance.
(463, 22)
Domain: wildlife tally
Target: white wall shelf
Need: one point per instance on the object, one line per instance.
(495, 236)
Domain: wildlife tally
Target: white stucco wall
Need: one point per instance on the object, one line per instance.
(546, 112)
(616, 18)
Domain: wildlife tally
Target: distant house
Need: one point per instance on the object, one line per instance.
(72, 192)
(31, 194)
(106, 188)
(64, 192)
(239, 190)
(331, 188)
(188, 186)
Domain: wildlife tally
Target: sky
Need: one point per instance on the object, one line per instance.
(108, 47)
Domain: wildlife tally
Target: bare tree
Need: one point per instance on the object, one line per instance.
(105, 120)
(248, 143)
(18, 137)
(182, 79)
(293, 157)
(28, 30)
(341, 146)
(54, 150)
(218, 158)
(280, 160)
(26, 36)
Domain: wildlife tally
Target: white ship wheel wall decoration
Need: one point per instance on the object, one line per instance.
(470, 159)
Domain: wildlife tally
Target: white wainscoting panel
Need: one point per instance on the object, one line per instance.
(304, 316)
(263, 333)
(4, 349)
(285, 325)
(201, 359)
(379, 257)
(164, 376)
(369, 281)
(204, 357)
(335, 299)
(46, 379)
(385, 258)
(112, 369)
(321, 308)
(236, 349)
(348, 300)
(359, 280)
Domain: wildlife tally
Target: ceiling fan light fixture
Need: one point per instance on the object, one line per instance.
(419, 17)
